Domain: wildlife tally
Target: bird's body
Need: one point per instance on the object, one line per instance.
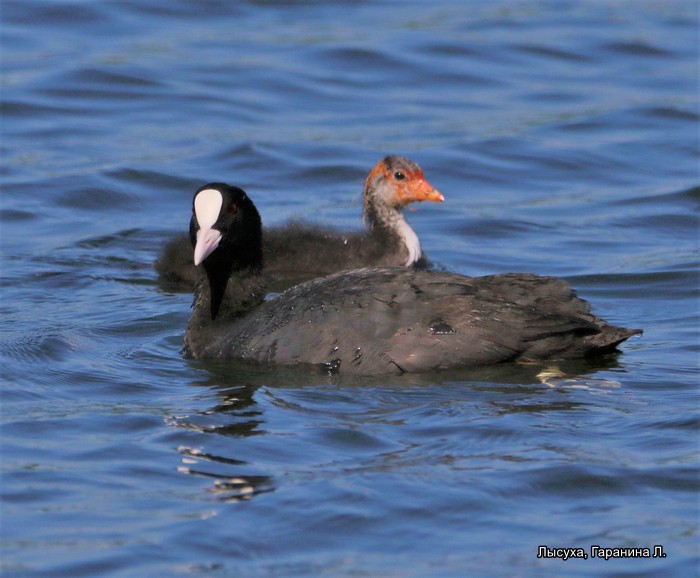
(393, 319)
(376, 320)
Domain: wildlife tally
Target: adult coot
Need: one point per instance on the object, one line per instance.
(299, 251)
(375, 320)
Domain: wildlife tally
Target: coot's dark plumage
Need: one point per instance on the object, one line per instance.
(300, 251)
(378, 320)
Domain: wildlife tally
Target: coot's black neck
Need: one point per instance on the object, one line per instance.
(231, 282)
(219, 298)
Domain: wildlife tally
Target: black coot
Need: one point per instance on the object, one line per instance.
(377, 320)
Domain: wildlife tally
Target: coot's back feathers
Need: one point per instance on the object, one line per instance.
(299, 251)
(395, 319)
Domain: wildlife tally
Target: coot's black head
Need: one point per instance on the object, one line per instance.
(226, 233)
(225, 225)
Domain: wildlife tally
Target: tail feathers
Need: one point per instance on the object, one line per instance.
(609, 338)
(578, 342)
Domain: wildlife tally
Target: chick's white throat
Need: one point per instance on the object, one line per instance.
(410, 239)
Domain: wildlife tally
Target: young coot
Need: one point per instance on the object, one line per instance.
(300, 251)
(372, 320)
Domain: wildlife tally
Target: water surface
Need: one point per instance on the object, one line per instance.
(565, 139)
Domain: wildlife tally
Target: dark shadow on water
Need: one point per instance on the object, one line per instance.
(237, 373)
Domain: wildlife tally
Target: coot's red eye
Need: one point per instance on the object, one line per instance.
(232, 208)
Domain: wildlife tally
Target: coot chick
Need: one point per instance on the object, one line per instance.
(373, 320)
(299, 251)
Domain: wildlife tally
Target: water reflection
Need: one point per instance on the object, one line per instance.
(234, 414)
(377, 423)
(226, 488)
(236, 404)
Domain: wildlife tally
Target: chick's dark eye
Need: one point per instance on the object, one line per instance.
(232, 208)
(399, 176)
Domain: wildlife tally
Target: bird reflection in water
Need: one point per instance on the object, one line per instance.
(234, 416)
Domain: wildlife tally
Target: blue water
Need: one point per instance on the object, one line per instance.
(564, 136)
